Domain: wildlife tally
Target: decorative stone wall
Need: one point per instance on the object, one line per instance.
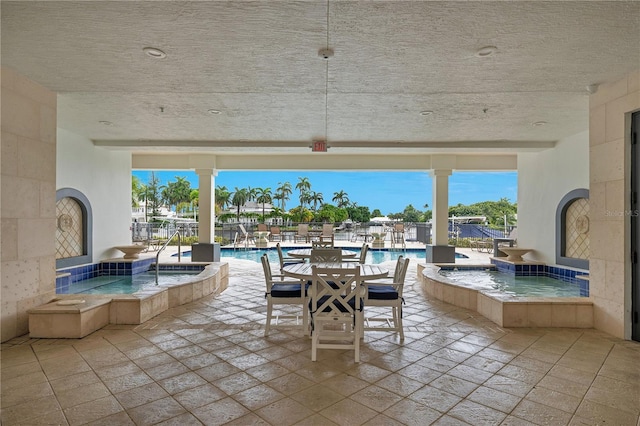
(609, 174)
(28, 200)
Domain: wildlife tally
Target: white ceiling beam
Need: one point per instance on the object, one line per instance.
(323, 161)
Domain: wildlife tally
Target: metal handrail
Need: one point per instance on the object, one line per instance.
(163, 247)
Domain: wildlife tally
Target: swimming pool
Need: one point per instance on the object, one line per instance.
(128, 284)
(526, 286)
(373, 256)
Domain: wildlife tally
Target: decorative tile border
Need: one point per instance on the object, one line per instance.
(571, 276)
(68, 276)
(503, 309)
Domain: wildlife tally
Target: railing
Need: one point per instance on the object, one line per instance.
(165, 246)
(142, 231)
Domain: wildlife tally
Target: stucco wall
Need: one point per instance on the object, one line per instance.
(28, 200)
(543, 179)
(609, 135)
(104, 177)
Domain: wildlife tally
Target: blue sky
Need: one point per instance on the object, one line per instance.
(390, 192)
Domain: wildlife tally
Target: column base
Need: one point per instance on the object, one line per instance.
(205, 252)
(440, 254)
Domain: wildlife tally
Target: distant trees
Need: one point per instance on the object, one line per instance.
(494, 211)
(137, 191)
(300, 214)
(330, 214)
(359, 214)
(150, 193)
(174, 193)
(179, 193)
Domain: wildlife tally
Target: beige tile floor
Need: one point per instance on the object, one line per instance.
(209, 363)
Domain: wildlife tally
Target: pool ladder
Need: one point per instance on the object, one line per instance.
(165, 246)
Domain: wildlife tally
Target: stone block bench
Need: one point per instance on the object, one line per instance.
(69, 318)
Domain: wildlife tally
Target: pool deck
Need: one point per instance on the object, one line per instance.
(207, 362)
(96, 311)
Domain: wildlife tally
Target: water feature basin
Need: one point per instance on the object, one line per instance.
(131, 251)
(514, 254)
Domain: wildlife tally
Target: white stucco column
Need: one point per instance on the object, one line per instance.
(206, 202)
(440, 207)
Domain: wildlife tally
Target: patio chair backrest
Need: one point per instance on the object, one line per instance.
(335, 291)
(363, 253)
(327, 229)
(325, 255)
(262, 227)
(322, 244)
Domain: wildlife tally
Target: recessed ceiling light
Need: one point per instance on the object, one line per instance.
(213, 111)
(592, 88)
(486, 51)
(105, 123)
(426, 113)
(154, 52)
(539, 123)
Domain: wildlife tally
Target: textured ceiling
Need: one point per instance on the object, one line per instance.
(257, 63)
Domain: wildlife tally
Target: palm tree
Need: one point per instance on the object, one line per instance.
(283, 192)
(252, 193)
(176, 192)
(239, 199)
(305, 198)
(341, 199)
(151, 196)
(137, 189)
(195, 201)
(223, 197)
(303, 186)
(316, 198)
(263, 195)
(277, 197)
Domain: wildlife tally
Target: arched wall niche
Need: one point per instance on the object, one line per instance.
(74, 229)
(572, 229)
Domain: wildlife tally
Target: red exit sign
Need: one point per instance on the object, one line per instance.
(319, 146)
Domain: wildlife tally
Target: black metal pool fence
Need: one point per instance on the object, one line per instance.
(418, 232)
(144, 231)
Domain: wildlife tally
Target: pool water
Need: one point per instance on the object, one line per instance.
(128, 284)
(373, 256)
(526, 286)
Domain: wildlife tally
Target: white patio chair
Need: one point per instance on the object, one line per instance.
(336, 310)
(284, 260)
(387, 292)
(284, 292)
